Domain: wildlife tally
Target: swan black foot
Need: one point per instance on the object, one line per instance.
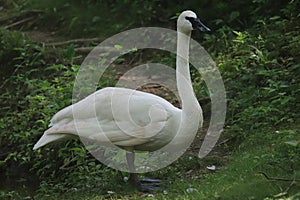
(149, 185)
(145, 184)
(142, 184)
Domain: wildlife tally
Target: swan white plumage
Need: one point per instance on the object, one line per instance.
(147, 108)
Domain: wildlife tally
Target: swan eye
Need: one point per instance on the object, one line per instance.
(190, 19)
(193, 21)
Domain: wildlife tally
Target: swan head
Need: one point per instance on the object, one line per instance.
(188, 21)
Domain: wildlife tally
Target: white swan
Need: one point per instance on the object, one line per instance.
(151, 112)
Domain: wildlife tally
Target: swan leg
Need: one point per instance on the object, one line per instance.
(143, 184)
(133, 178)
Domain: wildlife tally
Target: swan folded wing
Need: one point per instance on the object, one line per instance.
(121, 116)
(83, 109)
(86, 108)
(103, 132)
(107, 102)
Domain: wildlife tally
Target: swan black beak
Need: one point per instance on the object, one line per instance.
(197, 24)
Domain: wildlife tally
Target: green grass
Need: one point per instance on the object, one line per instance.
(238, 178)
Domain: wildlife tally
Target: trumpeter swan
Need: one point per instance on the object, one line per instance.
(163, 114)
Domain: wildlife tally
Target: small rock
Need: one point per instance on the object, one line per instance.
(125, 179)
(212, 168)
(190, 190)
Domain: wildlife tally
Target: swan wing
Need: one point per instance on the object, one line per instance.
(121, 116)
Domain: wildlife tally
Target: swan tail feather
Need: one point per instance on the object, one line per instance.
(46, 139)
(56, 133)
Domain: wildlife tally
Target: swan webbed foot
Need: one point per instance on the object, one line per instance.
(145, 184)
(149, 185)
(142, 184)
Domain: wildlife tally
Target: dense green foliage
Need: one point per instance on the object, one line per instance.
(256, 49)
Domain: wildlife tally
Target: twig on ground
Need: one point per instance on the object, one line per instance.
(74, 41)
(19, 22)
(14, 16)
(276, 178)
(100, 49)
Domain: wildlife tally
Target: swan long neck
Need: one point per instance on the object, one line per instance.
(184, 84)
